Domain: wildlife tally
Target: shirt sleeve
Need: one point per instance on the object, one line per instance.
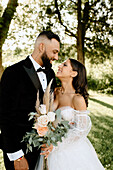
(15, 155)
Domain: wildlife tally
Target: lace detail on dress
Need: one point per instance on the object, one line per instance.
(80, 125)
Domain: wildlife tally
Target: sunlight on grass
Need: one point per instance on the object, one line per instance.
(1, 161)
(101, 134)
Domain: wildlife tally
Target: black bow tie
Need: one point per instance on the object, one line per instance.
(41, 69)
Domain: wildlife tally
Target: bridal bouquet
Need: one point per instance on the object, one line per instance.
(49, 127)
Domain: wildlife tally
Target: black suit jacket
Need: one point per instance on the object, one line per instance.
(19, 85)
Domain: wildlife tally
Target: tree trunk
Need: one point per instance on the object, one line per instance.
(5, 21)
(80, 39)
(1, 67)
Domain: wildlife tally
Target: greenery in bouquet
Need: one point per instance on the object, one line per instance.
(49, 127)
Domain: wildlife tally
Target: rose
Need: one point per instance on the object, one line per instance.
(40, 130)
(42, 109)
(43, 121)
(51, 116)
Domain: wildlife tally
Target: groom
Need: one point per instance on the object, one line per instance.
(19, 85)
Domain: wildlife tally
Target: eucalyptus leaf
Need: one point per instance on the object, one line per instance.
(48, 142)
(40, 139)
(36, 143)
(53, 139)
(30, 148)
(30, 140)
(58, 114)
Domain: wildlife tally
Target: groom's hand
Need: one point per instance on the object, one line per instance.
(21, 164)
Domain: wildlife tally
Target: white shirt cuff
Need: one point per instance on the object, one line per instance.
(15, 155)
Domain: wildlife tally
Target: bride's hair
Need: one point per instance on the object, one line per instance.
(80, 81)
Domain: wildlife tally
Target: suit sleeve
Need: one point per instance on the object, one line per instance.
(9, 113)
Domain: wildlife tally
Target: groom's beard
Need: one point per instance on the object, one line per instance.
(46, 61)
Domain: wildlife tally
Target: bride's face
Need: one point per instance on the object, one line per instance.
(64, 69)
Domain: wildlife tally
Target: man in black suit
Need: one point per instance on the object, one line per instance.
(19, 85)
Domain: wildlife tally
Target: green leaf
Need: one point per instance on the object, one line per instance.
(30, 148)
(53, 139)
(40, 139)
(65, 123)
(48, 142)
(58, 116)
(30, 140)
(36, 143)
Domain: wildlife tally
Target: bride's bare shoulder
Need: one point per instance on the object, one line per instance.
(79, 102)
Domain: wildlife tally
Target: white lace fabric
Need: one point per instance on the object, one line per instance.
(80, 125)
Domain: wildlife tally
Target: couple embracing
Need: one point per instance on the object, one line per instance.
(19, 85)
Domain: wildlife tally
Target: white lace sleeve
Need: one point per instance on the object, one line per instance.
(81, 124)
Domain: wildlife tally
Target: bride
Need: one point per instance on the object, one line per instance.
(75, 152)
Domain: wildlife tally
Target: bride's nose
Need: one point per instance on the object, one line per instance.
(60, 66)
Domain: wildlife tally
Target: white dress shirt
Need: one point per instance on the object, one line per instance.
(43, 81)
(41, 75)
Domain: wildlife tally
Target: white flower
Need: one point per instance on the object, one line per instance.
(42, 109)
(43, 121)
(51, 116)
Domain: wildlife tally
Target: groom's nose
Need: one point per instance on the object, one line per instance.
(56, 57)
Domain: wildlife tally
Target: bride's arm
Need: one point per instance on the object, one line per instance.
(79, 102)
(82, 121)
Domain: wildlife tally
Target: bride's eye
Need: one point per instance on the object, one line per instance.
(65, 64)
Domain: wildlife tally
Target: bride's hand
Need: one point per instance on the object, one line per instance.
(46, 150)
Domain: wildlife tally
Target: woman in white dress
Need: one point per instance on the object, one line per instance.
(75, 152)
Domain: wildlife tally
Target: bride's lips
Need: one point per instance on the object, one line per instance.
(59, 71)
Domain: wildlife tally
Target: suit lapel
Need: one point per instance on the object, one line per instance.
(28, 67)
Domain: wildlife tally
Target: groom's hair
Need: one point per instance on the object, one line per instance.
(49, 35)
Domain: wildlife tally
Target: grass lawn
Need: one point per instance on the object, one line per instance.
(1, 161)
(101, 134)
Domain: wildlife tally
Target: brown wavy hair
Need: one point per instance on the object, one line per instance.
(80, 81)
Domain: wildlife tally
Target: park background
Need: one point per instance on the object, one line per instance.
(86, 31)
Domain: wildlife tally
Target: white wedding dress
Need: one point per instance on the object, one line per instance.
(75, 152)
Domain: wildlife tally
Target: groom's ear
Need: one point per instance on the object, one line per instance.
(41, 47)
(74, 73)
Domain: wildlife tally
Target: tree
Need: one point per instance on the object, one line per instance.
(22, 32)
(5, 21)
(88, 21)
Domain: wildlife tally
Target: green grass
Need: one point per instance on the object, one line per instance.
(101, 134)
(1, 161)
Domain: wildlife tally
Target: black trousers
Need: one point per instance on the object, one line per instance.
(32, 158)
